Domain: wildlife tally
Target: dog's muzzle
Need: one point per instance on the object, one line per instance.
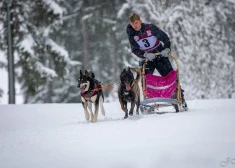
(84, 86)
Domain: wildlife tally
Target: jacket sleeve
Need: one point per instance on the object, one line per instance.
(161, 35)
(133, 44)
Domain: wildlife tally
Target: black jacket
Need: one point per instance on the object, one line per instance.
(162, 36)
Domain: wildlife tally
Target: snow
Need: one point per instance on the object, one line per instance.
(57, 135)
(45, 71)
(54, 7)
(59, 49)
(27, 44)
(121, 12)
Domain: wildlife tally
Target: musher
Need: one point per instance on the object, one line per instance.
(147, 39)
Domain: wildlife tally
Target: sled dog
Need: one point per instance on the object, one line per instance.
(129, 91)
(91, 93)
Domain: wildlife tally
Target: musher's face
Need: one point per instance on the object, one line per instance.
(136, 25)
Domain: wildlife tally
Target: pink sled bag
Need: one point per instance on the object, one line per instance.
(160, 87)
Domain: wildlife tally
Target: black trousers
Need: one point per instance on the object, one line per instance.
(163, 65)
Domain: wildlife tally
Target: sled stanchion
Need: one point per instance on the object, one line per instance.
(179, 97)
(143, 80)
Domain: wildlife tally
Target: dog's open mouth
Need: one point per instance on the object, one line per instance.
(128, 86)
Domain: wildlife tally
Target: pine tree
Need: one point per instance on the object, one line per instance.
(40, 60)
(48, 35)
(95, 41)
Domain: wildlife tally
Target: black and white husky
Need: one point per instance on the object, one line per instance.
(91, 93)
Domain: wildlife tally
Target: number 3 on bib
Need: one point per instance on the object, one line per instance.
(146, 43)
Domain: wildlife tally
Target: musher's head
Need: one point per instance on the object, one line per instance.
(135, 21)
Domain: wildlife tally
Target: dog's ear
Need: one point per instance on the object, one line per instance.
(81, 73)
(86, 73)
(129, 69)
(92, 75)
(124, 70)
(79, 78)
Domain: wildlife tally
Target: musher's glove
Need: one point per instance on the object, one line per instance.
(149, 56)
(165, 52)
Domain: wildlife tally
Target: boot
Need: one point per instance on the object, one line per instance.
(184, 104)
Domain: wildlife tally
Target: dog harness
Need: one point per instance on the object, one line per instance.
(87, 95)
(126, 95)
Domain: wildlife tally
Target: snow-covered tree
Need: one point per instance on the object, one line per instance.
(199, 34)
(39, 60)
(48, 34)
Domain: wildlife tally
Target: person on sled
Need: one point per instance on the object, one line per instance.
(147, 39)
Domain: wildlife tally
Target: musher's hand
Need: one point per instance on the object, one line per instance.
(165, 52)
(149, 56)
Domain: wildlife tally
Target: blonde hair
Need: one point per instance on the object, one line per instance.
(133, 17)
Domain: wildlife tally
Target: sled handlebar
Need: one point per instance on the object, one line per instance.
(157, 54)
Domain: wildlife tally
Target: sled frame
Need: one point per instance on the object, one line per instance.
(155, 103)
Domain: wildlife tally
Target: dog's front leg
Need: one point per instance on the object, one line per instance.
(132, 108)
(84, 104)
(124, 107)
(90, 109)
(138, 105)
(102, 105)
(95, 101)
(126, 110)
(96, 104)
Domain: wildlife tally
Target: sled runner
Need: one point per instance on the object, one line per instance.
(160, 91)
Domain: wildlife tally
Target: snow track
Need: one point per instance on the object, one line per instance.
(57, 135)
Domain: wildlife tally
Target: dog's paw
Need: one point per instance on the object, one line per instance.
(125, 117)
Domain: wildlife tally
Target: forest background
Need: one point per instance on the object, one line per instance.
(54, 39)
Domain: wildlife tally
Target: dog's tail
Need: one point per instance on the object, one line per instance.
(138, 72)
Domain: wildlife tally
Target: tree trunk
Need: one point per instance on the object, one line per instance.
(86, 57)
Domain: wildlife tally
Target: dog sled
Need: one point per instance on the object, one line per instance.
(160, 91)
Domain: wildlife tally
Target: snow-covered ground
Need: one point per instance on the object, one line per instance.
(57, 136)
